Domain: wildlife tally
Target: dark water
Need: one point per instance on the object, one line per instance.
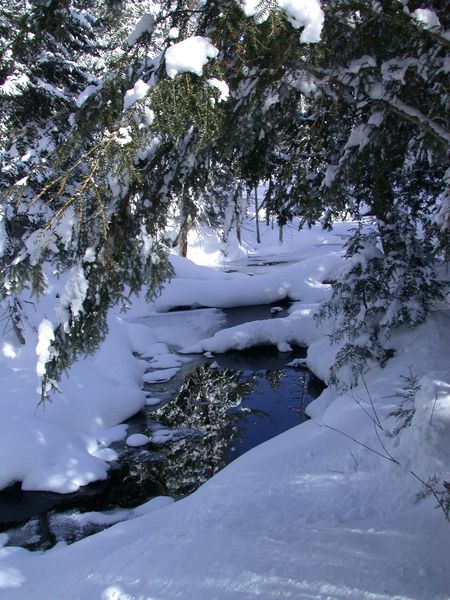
(222, 407)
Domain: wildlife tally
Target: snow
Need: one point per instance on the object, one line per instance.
(250, 7)
(123, 136)
(298, 328)
(144, 25)
(88, 91)
(320, 511)
(428, 18)
(359, 136)
(300, 13)
(45, 338)
(189, 56)
(73, 295)
(15, 84)
(376, 118)
(137, 92)
(222, 86)
(307, 14)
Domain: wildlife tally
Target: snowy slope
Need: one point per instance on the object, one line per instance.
(308, 514)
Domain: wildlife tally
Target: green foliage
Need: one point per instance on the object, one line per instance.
(357, 125)
(389, 282)
(406, 409)
(191, 103)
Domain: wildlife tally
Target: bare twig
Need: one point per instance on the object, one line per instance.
(359, 402)
(377, 420)
(355, 465)
(385, 456)
(383, 446)
(434, 406)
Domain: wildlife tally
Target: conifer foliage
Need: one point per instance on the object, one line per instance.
(341, 107)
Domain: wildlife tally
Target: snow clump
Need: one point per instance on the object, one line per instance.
(89, 91)
(46, 336)
(189, 56)
(307, 14)
(139, 91)
(73, 296)
(222, 86)
(300, 13)
(428, 18)
(145, 25)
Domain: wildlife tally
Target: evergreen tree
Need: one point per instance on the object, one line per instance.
(42, 46)
(355, 123)
(392, 167)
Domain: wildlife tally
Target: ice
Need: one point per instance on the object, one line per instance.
(106, 454)
(276, 309)
(137, 439)
(162, 436)
(297, 362)
(165, 361)
(160, 376)
(115, 434)
(152, 401)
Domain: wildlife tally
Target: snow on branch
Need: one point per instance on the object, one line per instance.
(300, 13)
(189, 56)
(415, 116)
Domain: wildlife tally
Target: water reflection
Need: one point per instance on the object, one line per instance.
(203, 408)
(225, 413)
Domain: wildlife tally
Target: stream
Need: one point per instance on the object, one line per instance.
(214, 410)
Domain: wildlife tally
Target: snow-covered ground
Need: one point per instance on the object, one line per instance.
(329, 509)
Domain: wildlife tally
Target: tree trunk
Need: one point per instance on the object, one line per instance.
(237, 212)
(183, 239)
(258, 236)
(267, 201)
(237, 217)
(186, 222)
(382, 205)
